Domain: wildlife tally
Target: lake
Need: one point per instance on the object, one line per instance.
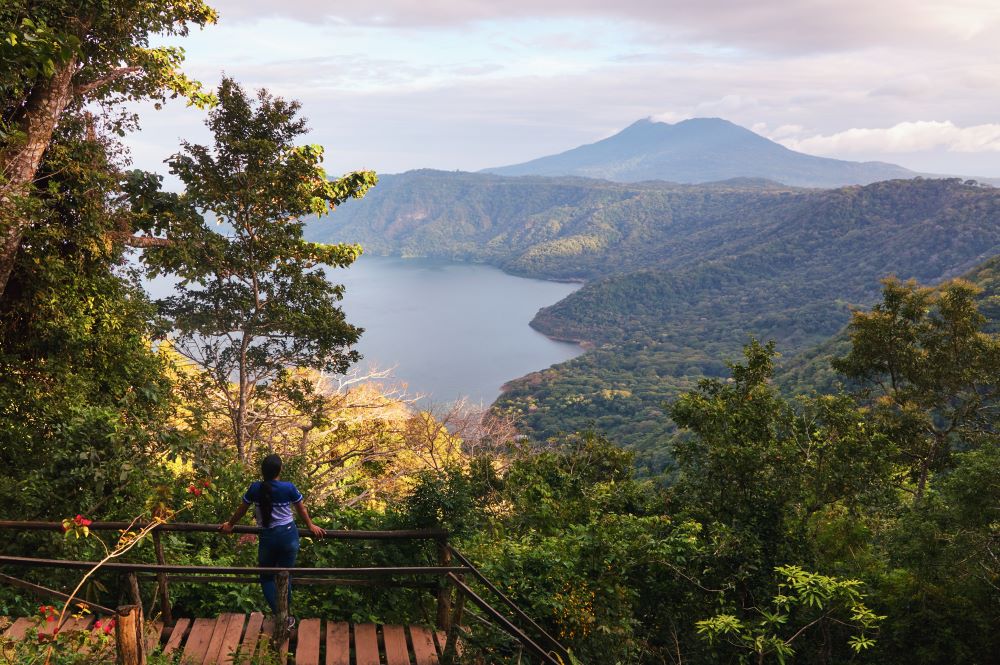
(450, 330)
(447, 330)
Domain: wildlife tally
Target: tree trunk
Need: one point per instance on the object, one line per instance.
(241, 418)
(921, 481)
(19, 165)
(925, 466)
(240, 424)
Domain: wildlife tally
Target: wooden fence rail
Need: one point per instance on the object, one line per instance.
(438, 571)
(192, 527)
(449, 579)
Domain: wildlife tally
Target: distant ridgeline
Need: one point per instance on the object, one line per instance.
(701, 150)
(677, 276)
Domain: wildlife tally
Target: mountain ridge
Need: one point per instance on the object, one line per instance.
(676, 276)
(700, 150)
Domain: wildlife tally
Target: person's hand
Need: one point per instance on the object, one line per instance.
(226, 527)
(316, 531)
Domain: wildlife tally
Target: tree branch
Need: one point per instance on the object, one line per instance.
(84, 88)
(147, 241)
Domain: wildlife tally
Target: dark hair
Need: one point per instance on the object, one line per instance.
(270, 467)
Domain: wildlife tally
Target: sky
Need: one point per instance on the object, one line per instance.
(470, 84)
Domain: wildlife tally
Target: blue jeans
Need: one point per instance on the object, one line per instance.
(277, 548)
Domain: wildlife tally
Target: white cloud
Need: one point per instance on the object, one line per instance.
(765, 25)
(904, 137)
(475, 84)
(669, 117)
(782, 132)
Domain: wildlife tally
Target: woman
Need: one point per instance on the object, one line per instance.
(278, 546)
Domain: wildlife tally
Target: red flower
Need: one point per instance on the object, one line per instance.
(109, 626)
(80, 520)
(197, 492)
(191, 489)
(207, 483)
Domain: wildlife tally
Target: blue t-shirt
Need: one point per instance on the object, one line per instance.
(283, 496)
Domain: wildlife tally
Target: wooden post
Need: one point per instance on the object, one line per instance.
(444, 590)
(129, 642)
(281, 616)
(161, 579)
(133, 586)
(451, 641)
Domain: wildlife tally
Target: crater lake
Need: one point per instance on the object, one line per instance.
(445, 330)
(449, 330)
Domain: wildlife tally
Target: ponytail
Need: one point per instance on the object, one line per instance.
(270, 467)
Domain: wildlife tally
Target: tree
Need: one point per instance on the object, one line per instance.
(254, 301)
(771, 479)
(804, 601)
(85, 400)
(59, 55)
(930, 371)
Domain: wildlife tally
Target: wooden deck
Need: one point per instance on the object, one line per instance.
(313, 642)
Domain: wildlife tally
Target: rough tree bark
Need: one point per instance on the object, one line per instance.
(20, 164)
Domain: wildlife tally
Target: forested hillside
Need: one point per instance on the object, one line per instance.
(792, 525)
(556, 228)
(678, 277)
(811, 371)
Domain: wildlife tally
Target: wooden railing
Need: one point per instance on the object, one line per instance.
(450, 579)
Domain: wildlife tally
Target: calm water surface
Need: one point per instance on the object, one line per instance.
(447, 330)
(450, 330)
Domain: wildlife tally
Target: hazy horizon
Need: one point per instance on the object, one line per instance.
(467, 86)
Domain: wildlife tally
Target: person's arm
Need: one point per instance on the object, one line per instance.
(300, 508)
(227, 526)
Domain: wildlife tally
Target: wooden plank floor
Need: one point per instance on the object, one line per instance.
(314, 642)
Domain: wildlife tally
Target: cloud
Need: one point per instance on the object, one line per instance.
(904, 137)
(906, 87)
(486, 85)
(782, 132)
(765, 25)
(669, 117)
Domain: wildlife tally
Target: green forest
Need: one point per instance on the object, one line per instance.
(677, 278)
(681, 494)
